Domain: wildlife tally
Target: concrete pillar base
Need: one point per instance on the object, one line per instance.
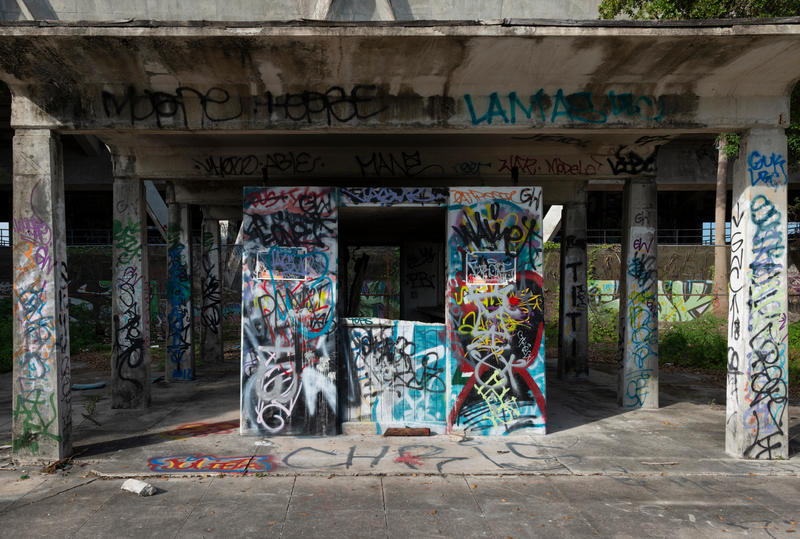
(573, 352)
(211, 295)
(180, 307)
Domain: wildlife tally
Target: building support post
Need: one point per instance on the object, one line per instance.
(573, 353)
(757, 400)
(638, 301)
(130, 356)
(180, 307)
(211, 295)
(41, 430)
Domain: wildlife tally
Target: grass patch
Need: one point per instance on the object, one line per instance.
(700, 343)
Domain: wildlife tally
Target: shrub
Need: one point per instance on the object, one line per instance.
(82, 327)
(702, 343)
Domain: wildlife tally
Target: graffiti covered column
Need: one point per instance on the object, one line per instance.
(289, 325)
(495, 315)
(180, 307)
(757, 327)
(638, 304)
(211, 294)
(41, 400)
(573, 353)
(130, 356)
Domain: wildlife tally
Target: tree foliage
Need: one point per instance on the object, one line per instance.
(698, 9)
(718, 9)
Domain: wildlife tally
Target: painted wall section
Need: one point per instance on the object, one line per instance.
(756, 409)
(495, 313)
(396, 373)
(678, 301)
(41, 400)
(289, 290)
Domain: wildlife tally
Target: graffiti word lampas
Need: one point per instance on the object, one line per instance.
(583, 107)
(289, 290)
(495, 309)
(210, 463)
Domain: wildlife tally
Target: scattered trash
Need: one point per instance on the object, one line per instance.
(139, 487)
(7, 446)
(97, 385)
(264, 443)
(156, 379)
(62, 464)
(153, 346)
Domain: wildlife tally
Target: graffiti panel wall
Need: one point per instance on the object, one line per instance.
(289, 323)
(395, 373)
(495, 312)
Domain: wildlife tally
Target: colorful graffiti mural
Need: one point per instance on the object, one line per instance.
(678, 301)
(496, 329)
(289, 325)
(395, 372)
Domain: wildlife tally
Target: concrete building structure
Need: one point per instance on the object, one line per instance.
(446, 138)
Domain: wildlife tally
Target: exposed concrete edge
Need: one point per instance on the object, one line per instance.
(585, 23)
(320, 473)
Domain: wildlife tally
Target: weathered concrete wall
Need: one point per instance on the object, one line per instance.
(395, 373)
(495, 312)
(346, 10)
(289, 296)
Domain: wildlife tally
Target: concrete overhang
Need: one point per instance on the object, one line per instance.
(475, 77)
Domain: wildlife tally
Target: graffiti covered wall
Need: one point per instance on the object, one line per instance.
(495, 310)
(678, 301)
(396, 373)
(289, 287)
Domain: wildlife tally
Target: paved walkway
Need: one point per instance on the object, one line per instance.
(601, 470)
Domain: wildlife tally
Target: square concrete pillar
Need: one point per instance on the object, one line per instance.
(638, 300)
(180, 307)
(756, 424)
(211, 295)
(41, 401)
(130, 357)
(573, 352)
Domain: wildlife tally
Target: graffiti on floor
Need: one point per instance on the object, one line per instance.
(198, 430)
(678, 301)
(211, 463)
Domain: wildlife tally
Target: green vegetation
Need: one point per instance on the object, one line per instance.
(82, 328)
(700, 343)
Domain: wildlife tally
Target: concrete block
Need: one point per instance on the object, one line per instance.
(139, 487)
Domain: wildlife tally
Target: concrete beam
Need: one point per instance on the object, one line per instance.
(757, 424)
(42, 406)
(638, 310)
(384, 78)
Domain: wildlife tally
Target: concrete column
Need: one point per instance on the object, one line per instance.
(638, 301)
(180, 308)
(573, 353)
(211, 295)
(41, 400)
(130, 356)
(756, 425)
